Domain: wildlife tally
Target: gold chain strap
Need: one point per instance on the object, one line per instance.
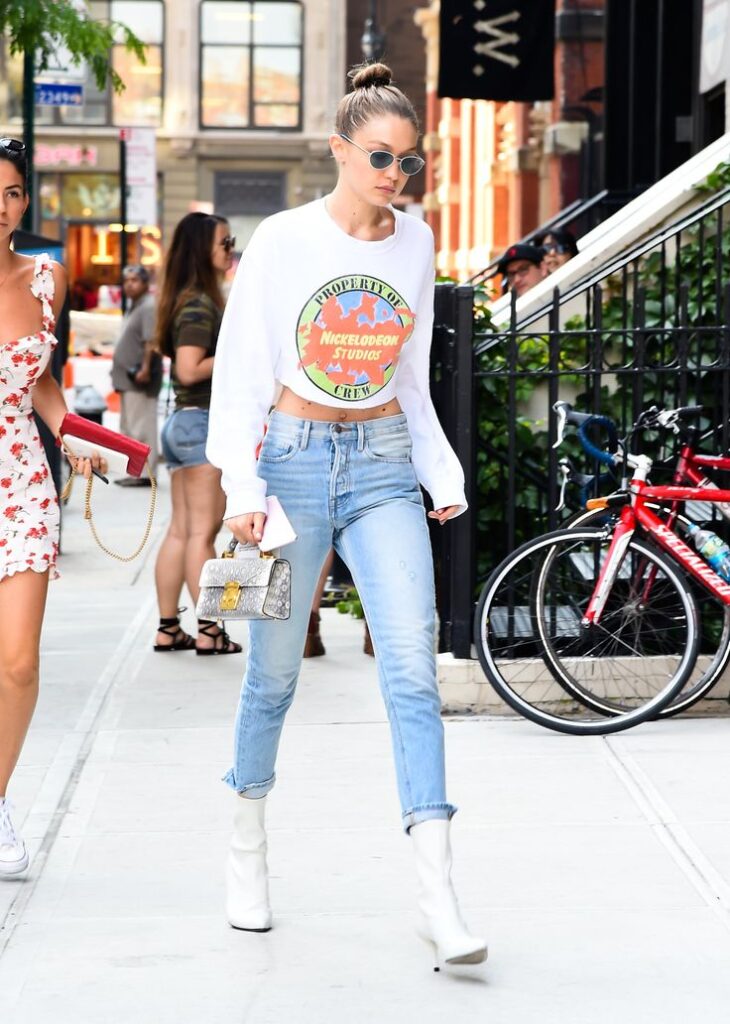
(88, 514)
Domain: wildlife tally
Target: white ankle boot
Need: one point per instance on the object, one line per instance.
(247, 881)
(13, 854)
(439, 916)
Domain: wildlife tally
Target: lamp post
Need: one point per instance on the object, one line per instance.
(372, 41)
(29, 129)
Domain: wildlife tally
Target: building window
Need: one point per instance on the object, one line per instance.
(139, 104)
(244, 198)
(250, 64)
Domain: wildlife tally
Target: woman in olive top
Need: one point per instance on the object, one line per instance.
(189, 317)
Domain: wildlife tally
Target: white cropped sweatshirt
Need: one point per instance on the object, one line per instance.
(338, 320)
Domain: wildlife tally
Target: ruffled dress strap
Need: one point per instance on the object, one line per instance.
(44, 288)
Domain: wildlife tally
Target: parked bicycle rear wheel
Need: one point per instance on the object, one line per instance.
(552, 669)
(713, 653)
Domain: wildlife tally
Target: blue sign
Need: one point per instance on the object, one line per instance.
(59, 94)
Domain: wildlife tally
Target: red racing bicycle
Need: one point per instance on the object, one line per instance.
(594, 629)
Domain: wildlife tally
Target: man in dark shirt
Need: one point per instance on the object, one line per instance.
(137, 368)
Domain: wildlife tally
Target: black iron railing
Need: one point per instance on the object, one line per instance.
(652, 328)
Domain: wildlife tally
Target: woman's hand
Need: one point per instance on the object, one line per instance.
(444, 514)
(84, 466)
(248, 528)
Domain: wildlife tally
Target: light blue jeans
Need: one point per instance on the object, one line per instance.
(351, 486)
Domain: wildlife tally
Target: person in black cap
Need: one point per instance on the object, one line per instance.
(522, 267)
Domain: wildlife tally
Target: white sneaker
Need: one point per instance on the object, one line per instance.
(13, 854)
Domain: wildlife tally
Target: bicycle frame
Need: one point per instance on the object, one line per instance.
(676, 548)
(689, 468)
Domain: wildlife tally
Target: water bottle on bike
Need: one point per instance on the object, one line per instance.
(712, 548)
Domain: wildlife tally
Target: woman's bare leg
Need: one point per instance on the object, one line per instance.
(22, 603)
(170, 564)
(205, 504)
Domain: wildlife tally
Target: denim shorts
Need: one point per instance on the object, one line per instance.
(184, 435)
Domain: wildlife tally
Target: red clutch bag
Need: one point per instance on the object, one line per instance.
(83, 438)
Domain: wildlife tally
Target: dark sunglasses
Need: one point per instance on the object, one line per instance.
(229, 242)
(13, 145)
(381, 158)
(555, 247)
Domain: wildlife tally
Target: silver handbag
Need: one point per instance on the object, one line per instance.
(257, 586)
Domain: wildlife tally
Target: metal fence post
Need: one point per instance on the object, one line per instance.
(462, 569)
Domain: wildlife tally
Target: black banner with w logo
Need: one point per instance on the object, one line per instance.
(497, 49)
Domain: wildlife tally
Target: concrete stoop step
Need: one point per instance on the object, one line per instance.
(465, 690)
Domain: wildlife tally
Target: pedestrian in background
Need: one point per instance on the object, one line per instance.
(522, 267)
(137, 369)
(189, 316)
(559, 247)
(333, 300)
(32, 292)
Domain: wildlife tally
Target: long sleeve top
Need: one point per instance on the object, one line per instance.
(340, 321)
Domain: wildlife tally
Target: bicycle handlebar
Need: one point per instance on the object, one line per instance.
(607, 458)
(566, 414)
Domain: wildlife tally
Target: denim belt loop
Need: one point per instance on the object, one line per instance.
(304, 439)
(360, 436)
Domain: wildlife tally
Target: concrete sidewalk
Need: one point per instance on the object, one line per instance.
(598, 868)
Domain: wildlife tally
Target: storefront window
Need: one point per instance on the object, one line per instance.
(251, 64)
(90, 197)
(139, 104)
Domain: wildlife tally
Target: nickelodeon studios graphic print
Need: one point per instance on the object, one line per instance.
(350, 335)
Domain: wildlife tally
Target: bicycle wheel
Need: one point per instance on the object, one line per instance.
(548, 666)
(714, 629)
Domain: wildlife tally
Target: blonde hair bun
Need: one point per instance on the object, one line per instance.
(367, 75)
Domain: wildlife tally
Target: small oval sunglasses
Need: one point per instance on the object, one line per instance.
(12, 145)
(381, 158)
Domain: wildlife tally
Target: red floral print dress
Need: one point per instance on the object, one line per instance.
(29, 512)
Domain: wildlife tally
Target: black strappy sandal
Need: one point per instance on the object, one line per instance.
(172, 627)
(228, 646)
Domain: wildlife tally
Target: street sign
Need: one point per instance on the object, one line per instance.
(141, 175)
(59, 94)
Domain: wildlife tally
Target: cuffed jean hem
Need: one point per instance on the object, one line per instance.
(427, 813)
(254, 790)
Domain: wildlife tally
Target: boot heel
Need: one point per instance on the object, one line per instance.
(432, 947)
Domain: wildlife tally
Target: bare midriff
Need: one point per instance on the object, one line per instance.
(292, 405)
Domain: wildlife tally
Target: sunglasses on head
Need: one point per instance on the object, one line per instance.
(380, 159)
(229, 242)
(13, 145)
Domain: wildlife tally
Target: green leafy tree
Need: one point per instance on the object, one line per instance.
(40, 29)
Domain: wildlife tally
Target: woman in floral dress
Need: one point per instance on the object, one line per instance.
(32, 291)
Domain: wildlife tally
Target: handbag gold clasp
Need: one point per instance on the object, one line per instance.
(231, 595)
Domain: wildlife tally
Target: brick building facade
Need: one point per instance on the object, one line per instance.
(496, 171)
